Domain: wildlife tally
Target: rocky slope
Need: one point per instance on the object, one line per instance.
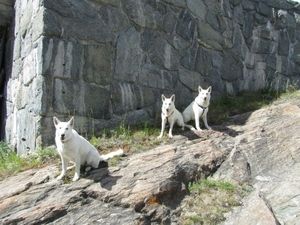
(260, 148)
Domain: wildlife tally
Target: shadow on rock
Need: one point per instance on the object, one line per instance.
(102, 175)
(224, 129)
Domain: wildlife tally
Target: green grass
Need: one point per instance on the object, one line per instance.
(208, 183)
(11, 163)
(209, 200)
(132, 139)
(229, 105)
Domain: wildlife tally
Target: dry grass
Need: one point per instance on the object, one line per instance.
(209, 200)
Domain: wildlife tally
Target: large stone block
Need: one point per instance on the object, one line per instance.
(208, 37)
(186, 25)
(162, 53)
(295, 53)
(197, 8)
(77, 20)
(190, 79)
(114, 17)
(203, 61)
(79, 98)
(98, 64)
(232, 67)
(129, 56)
(126, 98)
(283, 43)
(60, 58)
(154, 77)
(148, 14)
(262, 46)
(170, 21)
(189, 58)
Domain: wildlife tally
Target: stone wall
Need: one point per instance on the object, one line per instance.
(108, 61)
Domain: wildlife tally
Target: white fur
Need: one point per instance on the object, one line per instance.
(194, 111)
(74, 148)
(169, 114)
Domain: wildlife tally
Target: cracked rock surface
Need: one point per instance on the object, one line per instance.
(267, 154)
(260, 148)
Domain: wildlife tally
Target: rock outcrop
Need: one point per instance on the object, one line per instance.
(259, 148)
(267, 154)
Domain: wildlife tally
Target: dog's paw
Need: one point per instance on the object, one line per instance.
(75, 178)
(59, 177)
(198, 129)
(159, 137)
(170, 136)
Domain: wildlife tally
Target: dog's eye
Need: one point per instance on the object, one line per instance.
(67, 128)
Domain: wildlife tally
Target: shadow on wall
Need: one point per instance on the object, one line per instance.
(2, 84)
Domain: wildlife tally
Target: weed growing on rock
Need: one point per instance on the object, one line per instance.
(11, 163)
(209, 200)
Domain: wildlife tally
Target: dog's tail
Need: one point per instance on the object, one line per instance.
(189, 126)
(119, 152)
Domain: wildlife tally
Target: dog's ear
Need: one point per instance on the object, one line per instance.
(163, 98)
(55, 121)
(71, 121)
(199, 89)
(173, 98)
(209, 89)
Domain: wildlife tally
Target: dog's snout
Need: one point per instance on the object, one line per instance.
(62, 135)
(204, 98)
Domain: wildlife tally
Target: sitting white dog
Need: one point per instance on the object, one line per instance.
(169, 115)
(198, 109)
(74, 148)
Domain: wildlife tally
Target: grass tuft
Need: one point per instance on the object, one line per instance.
(229, 105)
(11, 163)
(209, 200)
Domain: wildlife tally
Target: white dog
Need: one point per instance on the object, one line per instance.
(198, 109)
(169, 115)
(74, 148)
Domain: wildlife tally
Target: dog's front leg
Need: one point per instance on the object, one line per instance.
(163, 125)
(77, 169)
(205, 122)
(64, 162)
(197, 122)
(170, 130)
